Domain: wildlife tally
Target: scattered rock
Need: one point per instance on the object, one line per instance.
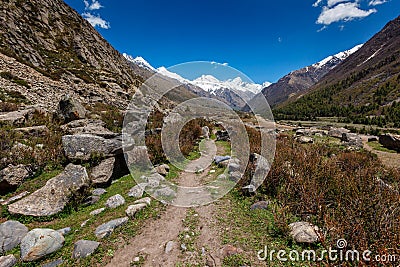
(15, 198)
(115, 201)
(69, 109)
(163, 169)
(219, 159)
(12, 177)
(106, 229)
(8, 261)
(84, 223)
(132, 209)
(65, 231)
(230, 250)
(337, 132)
(54, 263)
(390, 141)
(169, 247)
(11, 234)
(84, 146)
(305, 140)
(304, 232)
(16, 117)
(39, 243)
(145, 200)
(222, 136)
(352, 139)
(102, 173)
(33, 130)
(99, 192)
(91, 200)
(260, 205)
(84, 248)
(52, 198)
(137, 191)
(97, 212)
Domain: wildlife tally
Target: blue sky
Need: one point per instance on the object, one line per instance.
(263, 39)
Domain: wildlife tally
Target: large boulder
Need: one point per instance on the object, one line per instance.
(337, 132)
(106, 229)
(88, 126)
(390, 141)
(84, 146)
(102, 173)
(84, 248)
(12, 177)
(39, 243)
(52, 198)
(304, 232)
(70, 109)
(16, 117)
(11, 234)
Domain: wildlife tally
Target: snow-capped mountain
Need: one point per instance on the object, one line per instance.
(299, 81)
(234, 91)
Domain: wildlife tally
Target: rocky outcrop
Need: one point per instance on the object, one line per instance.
(54, 196)
(12, 177)
(11, 234)
(84, 248)
(390, 141)
(39, 243)
(85, 146)
(88, 126)
(352, 140)
(69, 109)
(337, 132)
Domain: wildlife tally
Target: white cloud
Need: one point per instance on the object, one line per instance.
(95, 5)
(96, 20)
(317, 3)
(334, 2)
(377, 2)
(343, 12)
(217, 63)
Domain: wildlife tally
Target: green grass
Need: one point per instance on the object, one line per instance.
(226, 146)
(377, 146)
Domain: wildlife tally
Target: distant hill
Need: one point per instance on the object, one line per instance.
(364, 88)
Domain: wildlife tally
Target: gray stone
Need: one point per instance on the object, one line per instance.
(15, 198)
(101, 174)
(133, 209)
(260, 205)
(16, 117)
(219, 159)
(305, 140)
(69, 109)
(115, 201)
(39, 243)
(106, 229)
(84, 248)
(54, 263)
(12, 177)
(373, 138)
(85, 126)
(164, 192)
(390, 141)
(84, 146)
(145, 200)
(65, 231)
(33, 130)
(11, 234)
(304, 232)
(206, 132)
(8, 261)
(222, 136)
(137, 191)
(352, 139)
(97, 212)
(91, 200)
(169, 247)
(54, 196)
(163, 169)
(99, 192)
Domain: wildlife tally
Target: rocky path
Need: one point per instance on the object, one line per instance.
(160, 242)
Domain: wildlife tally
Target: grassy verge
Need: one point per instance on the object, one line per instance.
(379, 147)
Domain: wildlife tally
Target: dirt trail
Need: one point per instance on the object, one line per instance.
(388, 159)
(150, 243)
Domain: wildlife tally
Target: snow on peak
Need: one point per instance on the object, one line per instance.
(141, 62)
(341, 56)
(167, 73)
